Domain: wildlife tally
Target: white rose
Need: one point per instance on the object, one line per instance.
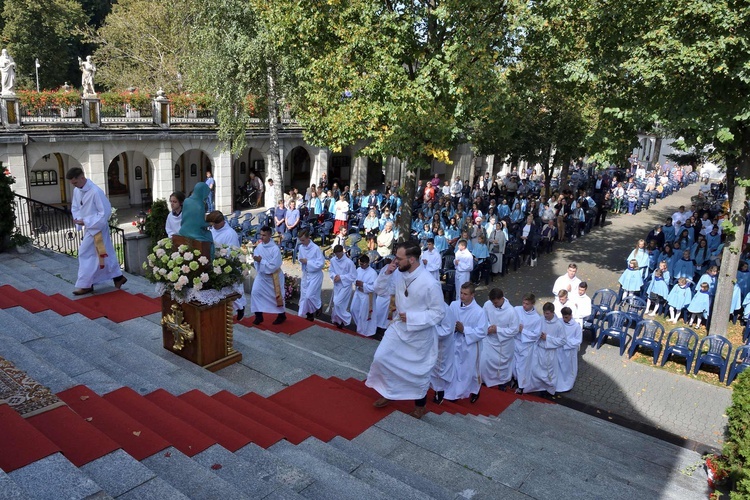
(162, 271)
(178, 286)
(188, 256)
(217, 270)
(204, 277)
(174, 256)
(185, 269)
(161, 253)
(203, 260)
(182, 280)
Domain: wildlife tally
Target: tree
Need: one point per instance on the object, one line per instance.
(44, 30)
(408, 79)
(144, 44)
(687, 69)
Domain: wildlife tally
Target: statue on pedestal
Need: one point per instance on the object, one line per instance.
(8, 72)
(194, 225)
(88, 70)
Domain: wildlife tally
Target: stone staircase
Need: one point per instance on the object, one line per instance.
(157, 426)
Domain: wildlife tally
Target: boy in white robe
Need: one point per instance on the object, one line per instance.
(343, 274)
(382, 312)
(568, 281)
(363, 303)
(445, 366)
(464, 262)
(312, 260)
(541, 367)
(406, 357)
(471, 329)
(498, 347)
(431, 259)
(582, 306)
(267, 294)
(97, 260)
(529, 329)
(562, 300)
(223, 234)
(567, 355)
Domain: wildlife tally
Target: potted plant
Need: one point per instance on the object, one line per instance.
(21, 242)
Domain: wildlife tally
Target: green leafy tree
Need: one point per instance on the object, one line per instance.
(687, 70)
(43, 29)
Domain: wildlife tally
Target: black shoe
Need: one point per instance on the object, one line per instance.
(240, 314)
(119, 281)
(378, 335)
(474, 398)
(310, 317)
(279, 319)
(502, 387)
(319, 311)
(519, 390)
(258, 318)
(438, 398)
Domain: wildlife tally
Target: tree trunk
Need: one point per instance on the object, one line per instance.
(407, 190)
(273, 132)
(732, 247)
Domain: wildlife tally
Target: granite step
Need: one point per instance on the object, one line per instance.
(54, 477)
(34, 365)
(271, 467)
(363, 471)
(10, 490)
(331, 482)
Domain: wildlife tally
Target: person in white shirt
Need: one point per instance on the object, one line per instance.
(498, 347)
(464, 263)
(312, 260)
(567, 354)
(341, 209)
(562, 300)
(431, 259)
(174, 218)
(223, 234)
(568, 281)
(581, 305)
(542, 363)
(363, 303)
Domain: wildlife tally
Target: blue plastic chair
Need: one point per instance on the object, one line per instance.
(740, 362)
(746, 331)
(603, 302)
(681, 341)
(714, 355)
(649, 334)
(634, 307)
(615, 326)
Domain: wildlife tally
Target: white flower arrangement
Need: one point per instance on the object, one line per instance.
(187, 275)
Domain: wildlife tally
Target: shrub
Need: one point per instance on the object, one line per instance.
(737, 443)
(156, 221)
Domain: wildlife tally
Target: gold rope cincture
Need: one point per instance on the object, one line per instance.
(101, 250)
(277, 288)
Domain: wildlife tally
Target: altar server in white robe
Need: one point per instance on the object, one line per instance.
(567, 355)
(97, 260)
(406, 356)
(464, 262)
(223, 234)
(542, 363)
(445, 366)
(498, 347)
(529, 329)
(267, 295)
(343, 274)
(471, 329)
(312, 260)
(383, 298)
(363, 303)
(431, 259)
(568, 281)
(174, 218)
(582, 305)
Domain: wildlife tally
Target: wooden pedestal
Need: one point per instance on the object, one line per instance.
(200, 333)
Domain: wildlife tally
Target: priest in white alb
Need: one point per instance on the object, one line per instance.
(567, 354)
(431, 259)
(267, 295)
(445, 366)
(464, 263)
(363, 302)
(498, 348)
(224, 234)
(529, 329)
(542, 363)
(470, 330)
(343, 274)
(312, 260)
(406, 356)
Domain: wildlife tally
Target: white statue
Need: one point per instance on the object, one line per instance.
(8, 72)
(88, 70)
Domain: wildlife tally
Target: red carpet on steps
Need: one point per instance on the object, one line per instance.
(136, 439)
(183, 436)
(120, 305)
(293, 324)
(331, 405)
(257, 432)
(317, 430)
(77, 306)
(21, 299)
(225, 436)
(20, 443)
(60, 307)
(79, 440)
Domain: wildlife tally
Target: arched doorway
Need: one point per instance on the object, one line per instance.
(375, 174)
(129, 180)
(47, 179)
(297, 169)
(190, 169)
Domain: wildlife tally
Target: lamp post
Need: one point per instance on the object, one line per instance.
(140, 221)
(36, 64)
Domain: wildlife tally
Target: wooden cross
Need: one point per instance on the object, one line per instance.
(176, 324)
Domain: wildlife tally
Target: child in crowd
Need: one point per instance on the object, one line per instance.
(657, 292)
(684, 268)
(699, 306)
(679, 297)
(632, 279)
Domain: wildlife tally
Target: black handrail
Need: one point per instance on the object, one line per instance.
(52, 228)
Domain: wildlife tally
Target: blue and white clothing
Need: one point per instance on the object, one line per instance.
(700, 303)
(680, 296)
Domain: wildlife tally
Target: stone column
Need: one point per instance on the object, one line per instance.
(163, 183)
(161, 110)
(91, 112)
(10, 112)
(95, 167)
(17, 166)
(320, 165)
(222, 173)
(360, 174)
